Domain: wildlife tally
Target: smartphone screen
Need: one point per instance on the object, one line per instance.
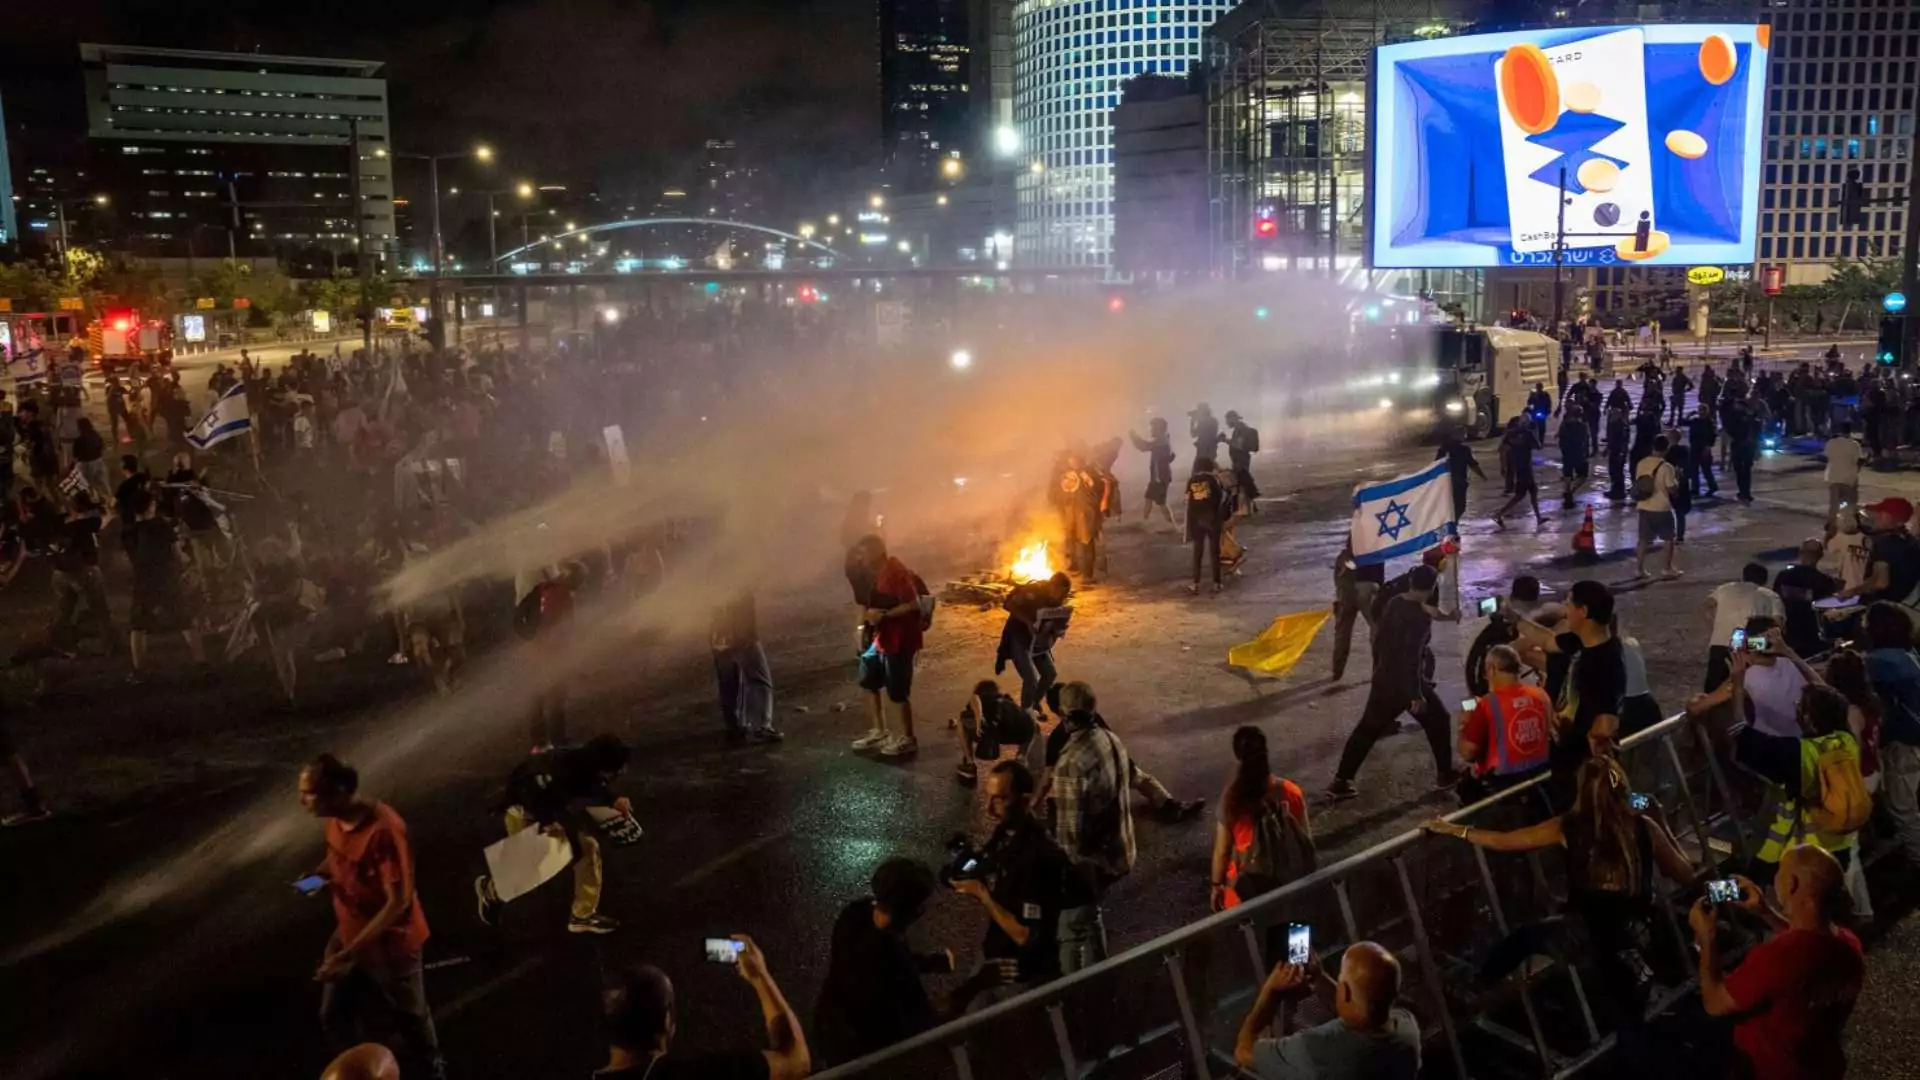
(1738, 639)
(722, 950)
(1723, 891)
(310, 884)
(1640, 800)
(1758, 644)
(1299, 943)
(1489, 605)
(1469, 704)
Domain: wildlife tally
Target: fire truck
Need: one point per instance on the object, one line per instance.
(121, 338)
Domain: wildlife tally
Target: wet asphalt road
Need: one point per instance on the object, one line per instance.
(213, 980)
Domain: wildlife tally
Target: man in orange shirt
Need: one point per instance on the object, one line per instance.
(372, 961)
(1503, 737)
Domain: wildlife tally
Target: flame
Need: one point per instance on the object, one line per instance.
(1031, 564)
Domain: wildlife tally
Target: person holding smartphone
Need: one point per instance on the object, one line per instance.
(1792, 995)
(641, 1017)
(1370, 1038)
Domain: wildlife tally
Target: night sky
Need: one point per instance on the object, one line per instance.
(621, 93)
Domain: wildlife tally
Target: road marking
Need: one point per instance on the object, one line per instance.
(731, 857)
(459, 1004)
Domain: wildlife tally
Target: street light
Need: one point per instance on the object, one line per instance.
(951, 168)
(1006, 141)
(806, 230)
(524, 190)
(876, 201)
(833, 219)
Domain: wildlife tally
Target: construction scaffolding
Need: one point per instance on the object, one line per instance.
(1287, 125)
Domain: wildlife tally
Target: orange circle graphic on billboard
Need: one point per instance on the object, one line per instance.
(1717, 61)
(1529, 89)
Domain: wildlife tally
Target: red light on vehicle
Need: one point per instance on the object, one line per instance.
(1266, 227)
(123, 324)
(1116, 304)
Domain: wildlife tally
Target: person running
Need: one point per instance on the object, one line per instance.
(1159, 450)
(1517, 452)
(1402, 683)
(1654, 482)
(1460, 461)
(557, 793)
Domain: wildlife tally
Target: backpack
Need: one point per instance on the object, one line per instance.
(1249, 438)
(926, 600)
(1281, 851)
(1843, 805)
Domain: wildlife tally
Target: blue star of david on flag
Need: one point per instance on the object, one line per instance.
(1402, 516)
(1397, 511)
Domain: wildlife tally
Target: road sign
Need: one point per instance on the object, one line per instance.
(1706, 275)
(72, 303)
(1771, 279)
(204, 303)
(1895, 302)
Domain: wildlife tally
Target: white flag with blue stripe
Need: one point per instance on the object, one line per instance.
(1402, 516)
(228, 417)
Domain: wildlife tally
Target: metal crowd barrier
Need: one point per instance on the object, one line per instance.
(1171, 1007)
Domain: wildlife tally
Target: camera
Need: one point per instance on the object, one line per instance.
(965, 862)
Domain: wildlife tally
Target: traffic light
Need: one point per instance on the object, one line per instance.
(1853, 201)
(1266, 222)
(1887, 352)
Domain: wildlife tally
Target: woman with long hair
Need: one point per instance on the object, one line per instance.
(1847, 673)
(1253, 791)
(1613, 851)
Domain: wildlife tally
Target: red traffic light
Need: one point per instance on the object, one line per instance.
(807, 294)
(1266, 227)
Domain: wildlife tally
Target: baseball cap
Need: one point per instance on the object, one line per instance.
(1895, 507)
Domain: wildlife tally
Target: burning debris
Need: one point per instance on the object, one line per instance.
(990, 586)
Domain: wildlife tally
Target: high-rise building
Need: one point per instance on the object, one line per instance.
(1070, 57)
(9, 221)
(1840, 97)
(926, 90)
(726, 187)
(206, 152)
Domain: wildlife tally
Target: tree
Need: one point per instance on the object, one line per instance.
(1859, 285)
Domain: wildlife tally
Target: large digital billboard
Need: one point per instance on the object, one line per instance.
(1653, 134)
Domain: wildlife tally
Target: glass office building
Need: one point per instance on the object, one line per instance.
(1070, 57)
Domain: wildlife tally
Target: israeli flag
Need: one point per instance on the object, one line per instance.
(228, 417)
(1402, 516)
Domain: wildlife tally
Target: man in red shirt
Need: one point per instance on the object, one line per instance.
(891, 612)
(1504, 736)
(1793, 993)
(372, 961)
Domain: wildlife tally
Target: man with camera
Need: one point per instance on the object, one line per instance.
(1042, 909)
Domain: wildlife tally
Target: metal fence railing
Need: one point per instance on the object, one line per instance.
(1170, 1007)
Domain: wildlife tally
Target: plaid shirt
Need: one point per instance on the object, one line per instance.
(1091, 777)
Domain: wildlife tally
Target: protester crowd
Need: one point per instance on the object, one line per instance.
(268, 542)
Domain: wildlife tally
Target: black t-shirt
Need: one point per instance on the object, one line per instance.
(1901, 552)
(1799, 586)
(1519, 448)
(150, 548)
(77, 546)
(1205, 500)
(1596, 684)
(720, 1065)
(1399, 647)
(126, 492)
(1034, 881)
(872, 997)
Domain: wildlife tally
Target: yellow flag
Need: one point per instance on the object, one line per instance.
(1281, 645)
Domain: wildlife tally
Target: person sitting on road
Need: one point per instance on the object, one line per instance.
(991, 723)
(1370, 1038)
(640, 1019)
(1793, 993)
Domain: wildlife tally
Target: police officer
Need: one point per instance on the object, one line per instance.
(1040, 906)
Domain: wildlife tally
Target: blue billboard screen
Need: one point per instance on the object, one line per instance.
(1650, 136)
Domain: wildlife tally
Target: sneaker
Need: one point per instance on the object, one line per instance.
(898, 747)
(967, 773)
(398, 659)
(488, 900)
(25, 817)
(1500, 523)
(766, 737)
(872, 740)
(592, 924)
(1193, 589)
(1341, 791)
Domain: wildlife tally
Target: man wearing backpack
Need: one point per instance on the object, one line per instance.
(897, 621)
(1243, 441)
(1654, 482)
(1824, 798)
(1091, 818)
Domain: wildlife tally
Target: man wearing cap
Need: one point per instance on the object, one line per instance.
(1243, 441)
(1893, 564)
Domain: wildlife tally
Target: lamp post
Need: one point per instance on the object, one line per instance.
(483, 153)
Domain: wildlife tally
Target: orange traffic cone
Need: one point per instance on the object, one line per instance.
(1583, 541)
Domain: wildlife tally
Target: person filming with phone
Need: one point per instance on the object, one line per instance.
(1792, 995)
(640, 1018)
(1371, 1037)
